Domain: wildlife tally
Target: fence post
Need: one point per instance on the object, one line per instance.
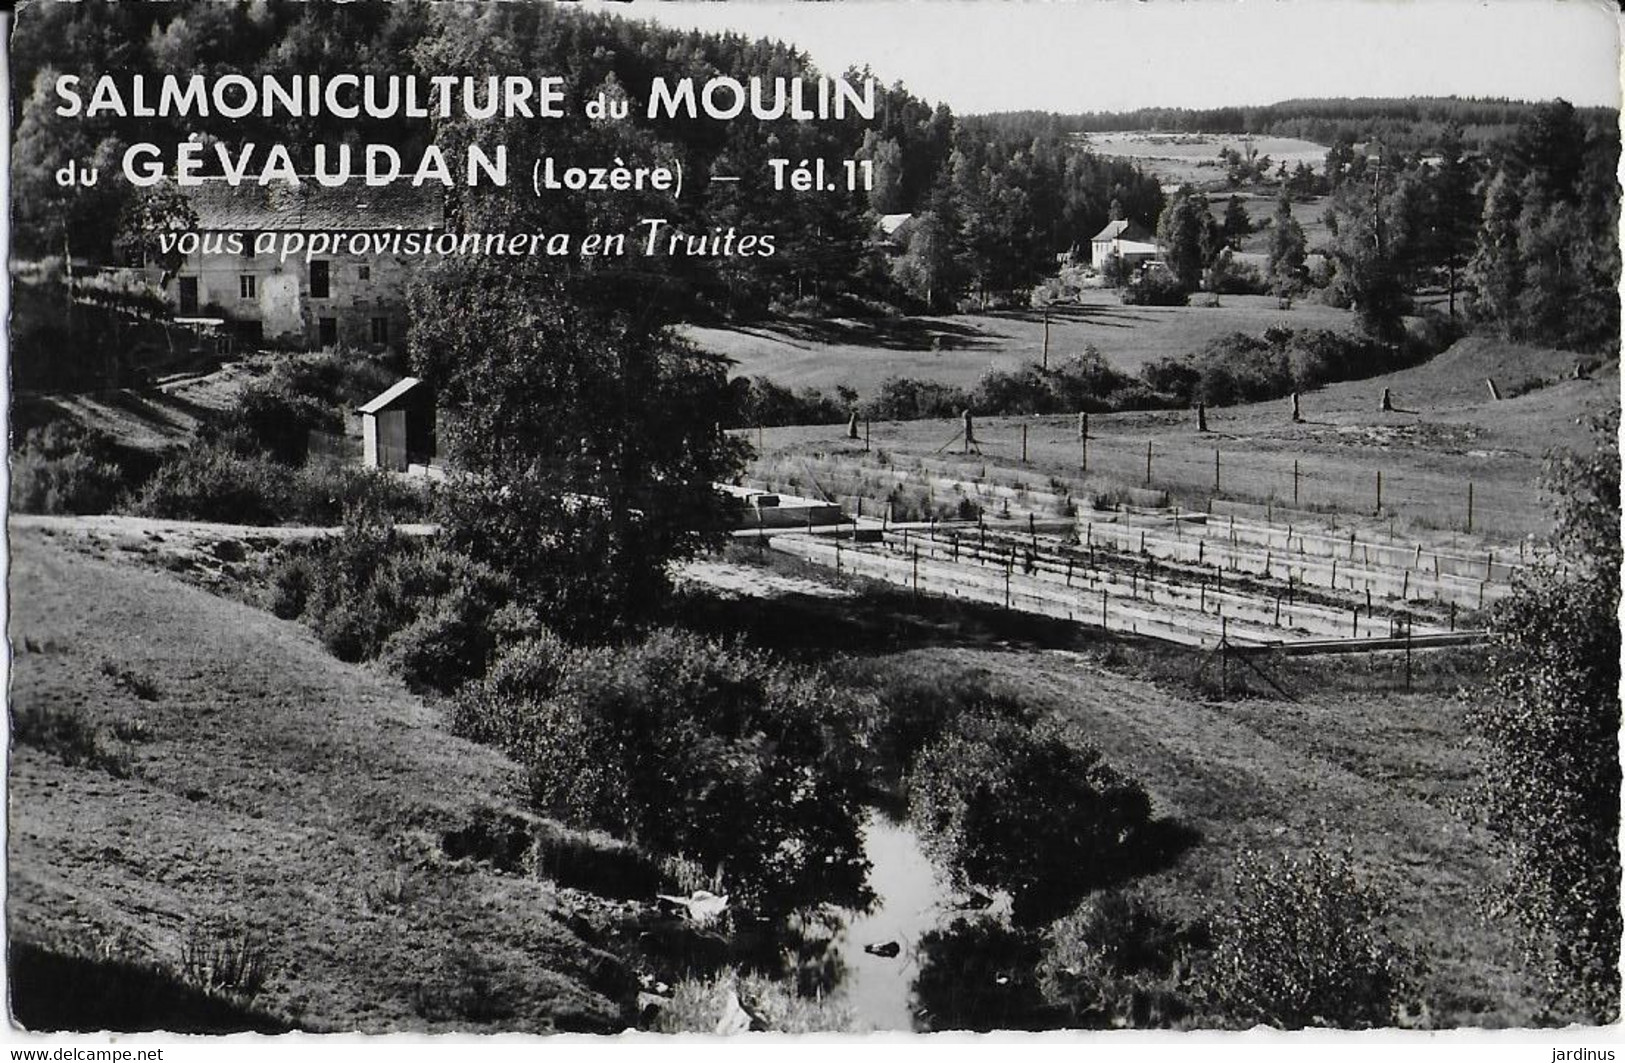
(1294, 481)
(1215, 470)
(1379, 491)
(1148, 463)
(1469, 505)
(1023, 444)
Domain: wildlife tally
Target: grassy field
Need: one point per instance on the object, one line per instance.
(957, 350)
(1444, 435)
(245, 779)
(1178, 158)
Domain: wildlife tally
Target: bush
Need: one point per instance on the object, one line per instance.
(372, 586)
(208, 482)
(1302, 945)
(918, 708)
(212, 482)
(689, 747)
(64, 468)
(1117, 961)
(1155, 287)
(907, 399)
(1005, 807)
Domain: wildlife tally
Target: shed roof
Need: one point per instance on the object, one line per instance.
(391, 396)
(277, 207)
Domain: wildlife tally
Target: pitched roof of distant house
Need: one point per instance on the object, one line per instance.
(279, 207)
(890, 223)
(1123, 229)
(386, 399)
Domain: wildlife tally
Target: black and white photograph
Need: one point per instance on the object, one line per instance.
(897, 517)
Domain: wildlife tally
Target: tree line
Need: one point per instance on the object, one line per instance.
(992, 208)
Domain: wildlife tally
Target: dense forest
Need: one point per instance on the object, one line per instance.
(1414, 124)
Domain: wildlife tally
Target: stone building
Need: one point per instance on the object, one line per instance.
(335, 298)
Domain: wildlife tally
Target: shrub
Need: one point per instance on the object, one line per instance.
(1154, 287)
(1006, 807)
(210, 481)
(689, 747)
(64, 468)
(907, 399)
(1117, 961)
(372, 586)
(1302, 945)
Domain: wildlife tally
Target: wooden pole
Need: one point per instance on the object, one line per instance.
(1215, 470)
(866, 436)
(1469, 505)
(1024, 443)
(1379, 491)
(1046, 339)
(1148, 463)
(1294, 481)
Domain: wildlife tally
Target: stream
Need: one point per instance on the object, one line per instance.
(912, 899)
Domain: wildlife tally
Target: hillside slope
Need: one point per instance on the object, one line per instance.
(243, 778)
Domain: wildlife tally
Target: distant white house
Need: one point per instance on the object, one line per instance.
(1127, 239)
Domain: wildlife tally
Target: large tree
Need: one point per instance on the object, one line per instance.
(586, 438)
(1190, 238)
(1287, 250)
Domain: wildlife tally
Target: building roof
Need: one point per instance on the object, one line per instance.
(1123, 229)
(383, 401)
(1135, 247)
(890, 223)
(279, 207)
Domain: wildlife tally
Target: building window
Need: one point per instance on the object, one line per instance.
(363, 273)
(380, 330)
(245, 286)
(319, 279)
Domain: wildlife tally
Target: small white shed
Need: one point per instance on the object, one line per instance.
(397, 426)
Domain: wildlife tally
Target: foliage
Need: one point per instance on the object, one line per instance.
(1117, 961)
(208, 481)
(1009, 807)
(1189, 236)
(224, 957)
(1302, 945)
(759, 401)
(1155, 287)
(436, 615)
(587, 439)
(699, 1004)
(1547, 261)
(1552, 779)
(916, 708)
(65, 468)
(980, 974)
(1240, 368)
(1287, 251)
(688, 746)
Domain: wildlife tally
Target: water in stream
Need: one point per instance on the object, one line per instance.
(913, 898)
